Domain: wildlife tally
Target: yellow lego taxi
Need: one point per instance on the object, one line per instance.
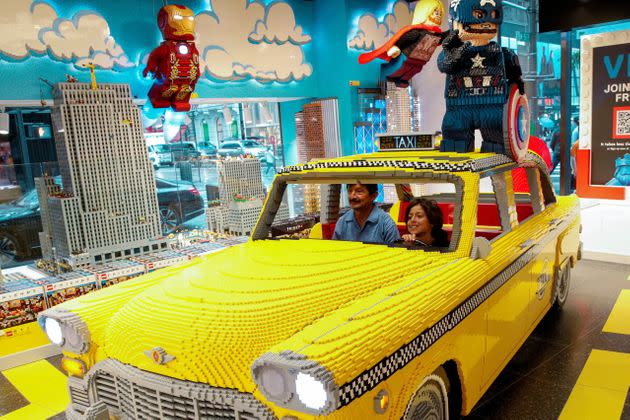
(300, 326)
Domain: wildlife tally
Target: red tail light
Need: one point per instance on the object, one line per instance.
(194, 191)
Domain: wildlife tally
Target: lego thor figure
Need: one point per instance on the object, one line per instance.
(480, 75)
(175, 63)
(417, 42)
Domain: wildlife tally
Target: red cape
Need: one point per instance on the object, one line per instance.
(381, 52)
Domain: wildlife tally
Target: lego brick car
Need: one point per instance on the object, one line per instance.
(308, 327)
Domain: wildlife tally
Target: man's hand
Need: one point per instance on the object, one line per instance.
(393, 52)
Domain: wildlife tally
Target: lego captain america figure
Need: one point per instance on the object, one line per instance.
(479, 74)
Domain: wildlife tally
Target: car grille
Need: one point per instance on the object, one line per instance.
(132, 393)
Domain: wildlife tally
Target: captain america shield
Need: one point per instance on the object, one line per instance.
(516, 124)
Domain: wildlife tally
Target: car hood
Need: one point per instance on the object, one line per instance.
(9, 212)
(221, 312)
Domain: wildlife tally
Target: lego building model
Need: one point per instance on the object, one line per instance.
(175, 63)
(243, 214)
(317, 137)
(215, 217)
(403, 112)
(107, 209)
(241, 196)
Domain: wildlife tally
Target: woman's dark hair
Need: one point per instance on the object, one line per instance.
(433, 213)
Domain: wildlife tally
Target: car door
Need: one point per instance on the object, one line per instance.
(507, 309)
(542, 272)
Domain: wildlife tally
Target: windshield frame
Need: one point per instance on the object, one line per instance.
(465, 192)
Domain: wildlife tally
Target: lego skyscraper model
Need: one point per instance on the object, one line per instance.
(241, 196)
(107, 209)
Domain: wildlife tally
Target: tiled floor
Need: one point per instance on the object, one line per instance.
(569, 368)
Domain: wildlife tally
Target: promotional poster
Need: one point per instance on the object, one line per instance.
(611, 116)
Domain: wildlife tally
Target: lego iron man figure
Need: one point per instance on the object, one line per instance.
(175, 63)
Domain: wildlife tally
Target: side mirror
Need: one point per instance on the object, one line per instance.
(481, 248)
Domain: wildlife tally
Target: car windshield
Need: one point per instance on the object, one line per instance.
(302, 215)
(251, 143)
(28, 200)
(230, 146)
(161, 148)
(181, 146)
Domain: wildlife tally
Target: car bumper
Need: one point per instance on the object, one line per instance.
(166, 160)
(115, 390)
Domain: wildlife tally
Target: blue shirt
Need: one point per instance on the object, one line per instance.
(379, 228)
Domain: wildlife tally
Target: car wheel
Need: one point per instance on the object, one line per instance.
(9, 249)
(562, 284)
(170, 219)
(430, 401)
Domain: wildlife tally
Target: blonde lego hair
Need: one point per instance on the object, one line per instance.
(424, 9)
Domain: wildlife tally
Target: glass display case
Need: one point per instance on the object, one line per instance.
(186, 151)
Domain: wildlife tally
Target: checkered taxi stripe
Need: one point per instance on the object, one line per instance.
(474, 166)
(370, 378)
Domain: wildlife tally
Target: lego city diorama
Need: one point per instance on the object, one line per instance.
(262, 313)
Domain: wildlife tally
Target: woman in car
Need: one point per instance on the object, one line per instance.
(424, 224)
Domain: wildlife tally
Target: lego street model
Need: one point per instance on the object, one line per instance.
(300, 328)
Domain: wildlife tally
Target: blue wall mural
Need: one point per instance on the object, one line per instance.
(249, 48)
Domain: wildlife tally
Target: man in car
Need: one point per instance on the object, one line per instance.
(366, 222)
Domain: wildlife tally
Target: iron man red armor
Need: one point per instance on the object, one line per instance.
(175, 63)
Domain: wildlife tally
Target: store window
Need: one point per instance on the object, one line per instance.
(186, 150)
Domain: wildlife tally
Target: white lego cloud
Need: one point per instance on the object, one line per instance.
(279, 27)
(372, 33)
(105, 61)
(30, 26)
(85, 38)
(20, 24)
(225, 35)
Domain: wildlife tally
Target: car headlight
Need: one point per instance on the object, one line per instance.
(52, 328)
(291, 381)
(65, 329)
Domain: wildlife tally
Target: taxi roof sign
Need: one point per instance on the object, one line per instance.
(409, 141)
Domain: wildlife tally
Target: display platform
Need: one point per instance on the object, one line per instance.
(24, 344)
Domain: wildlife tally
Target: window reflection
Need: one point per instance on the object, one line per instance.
(185, 149)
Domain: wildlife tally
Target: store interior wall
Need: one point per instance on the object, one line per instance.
(320, 31)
